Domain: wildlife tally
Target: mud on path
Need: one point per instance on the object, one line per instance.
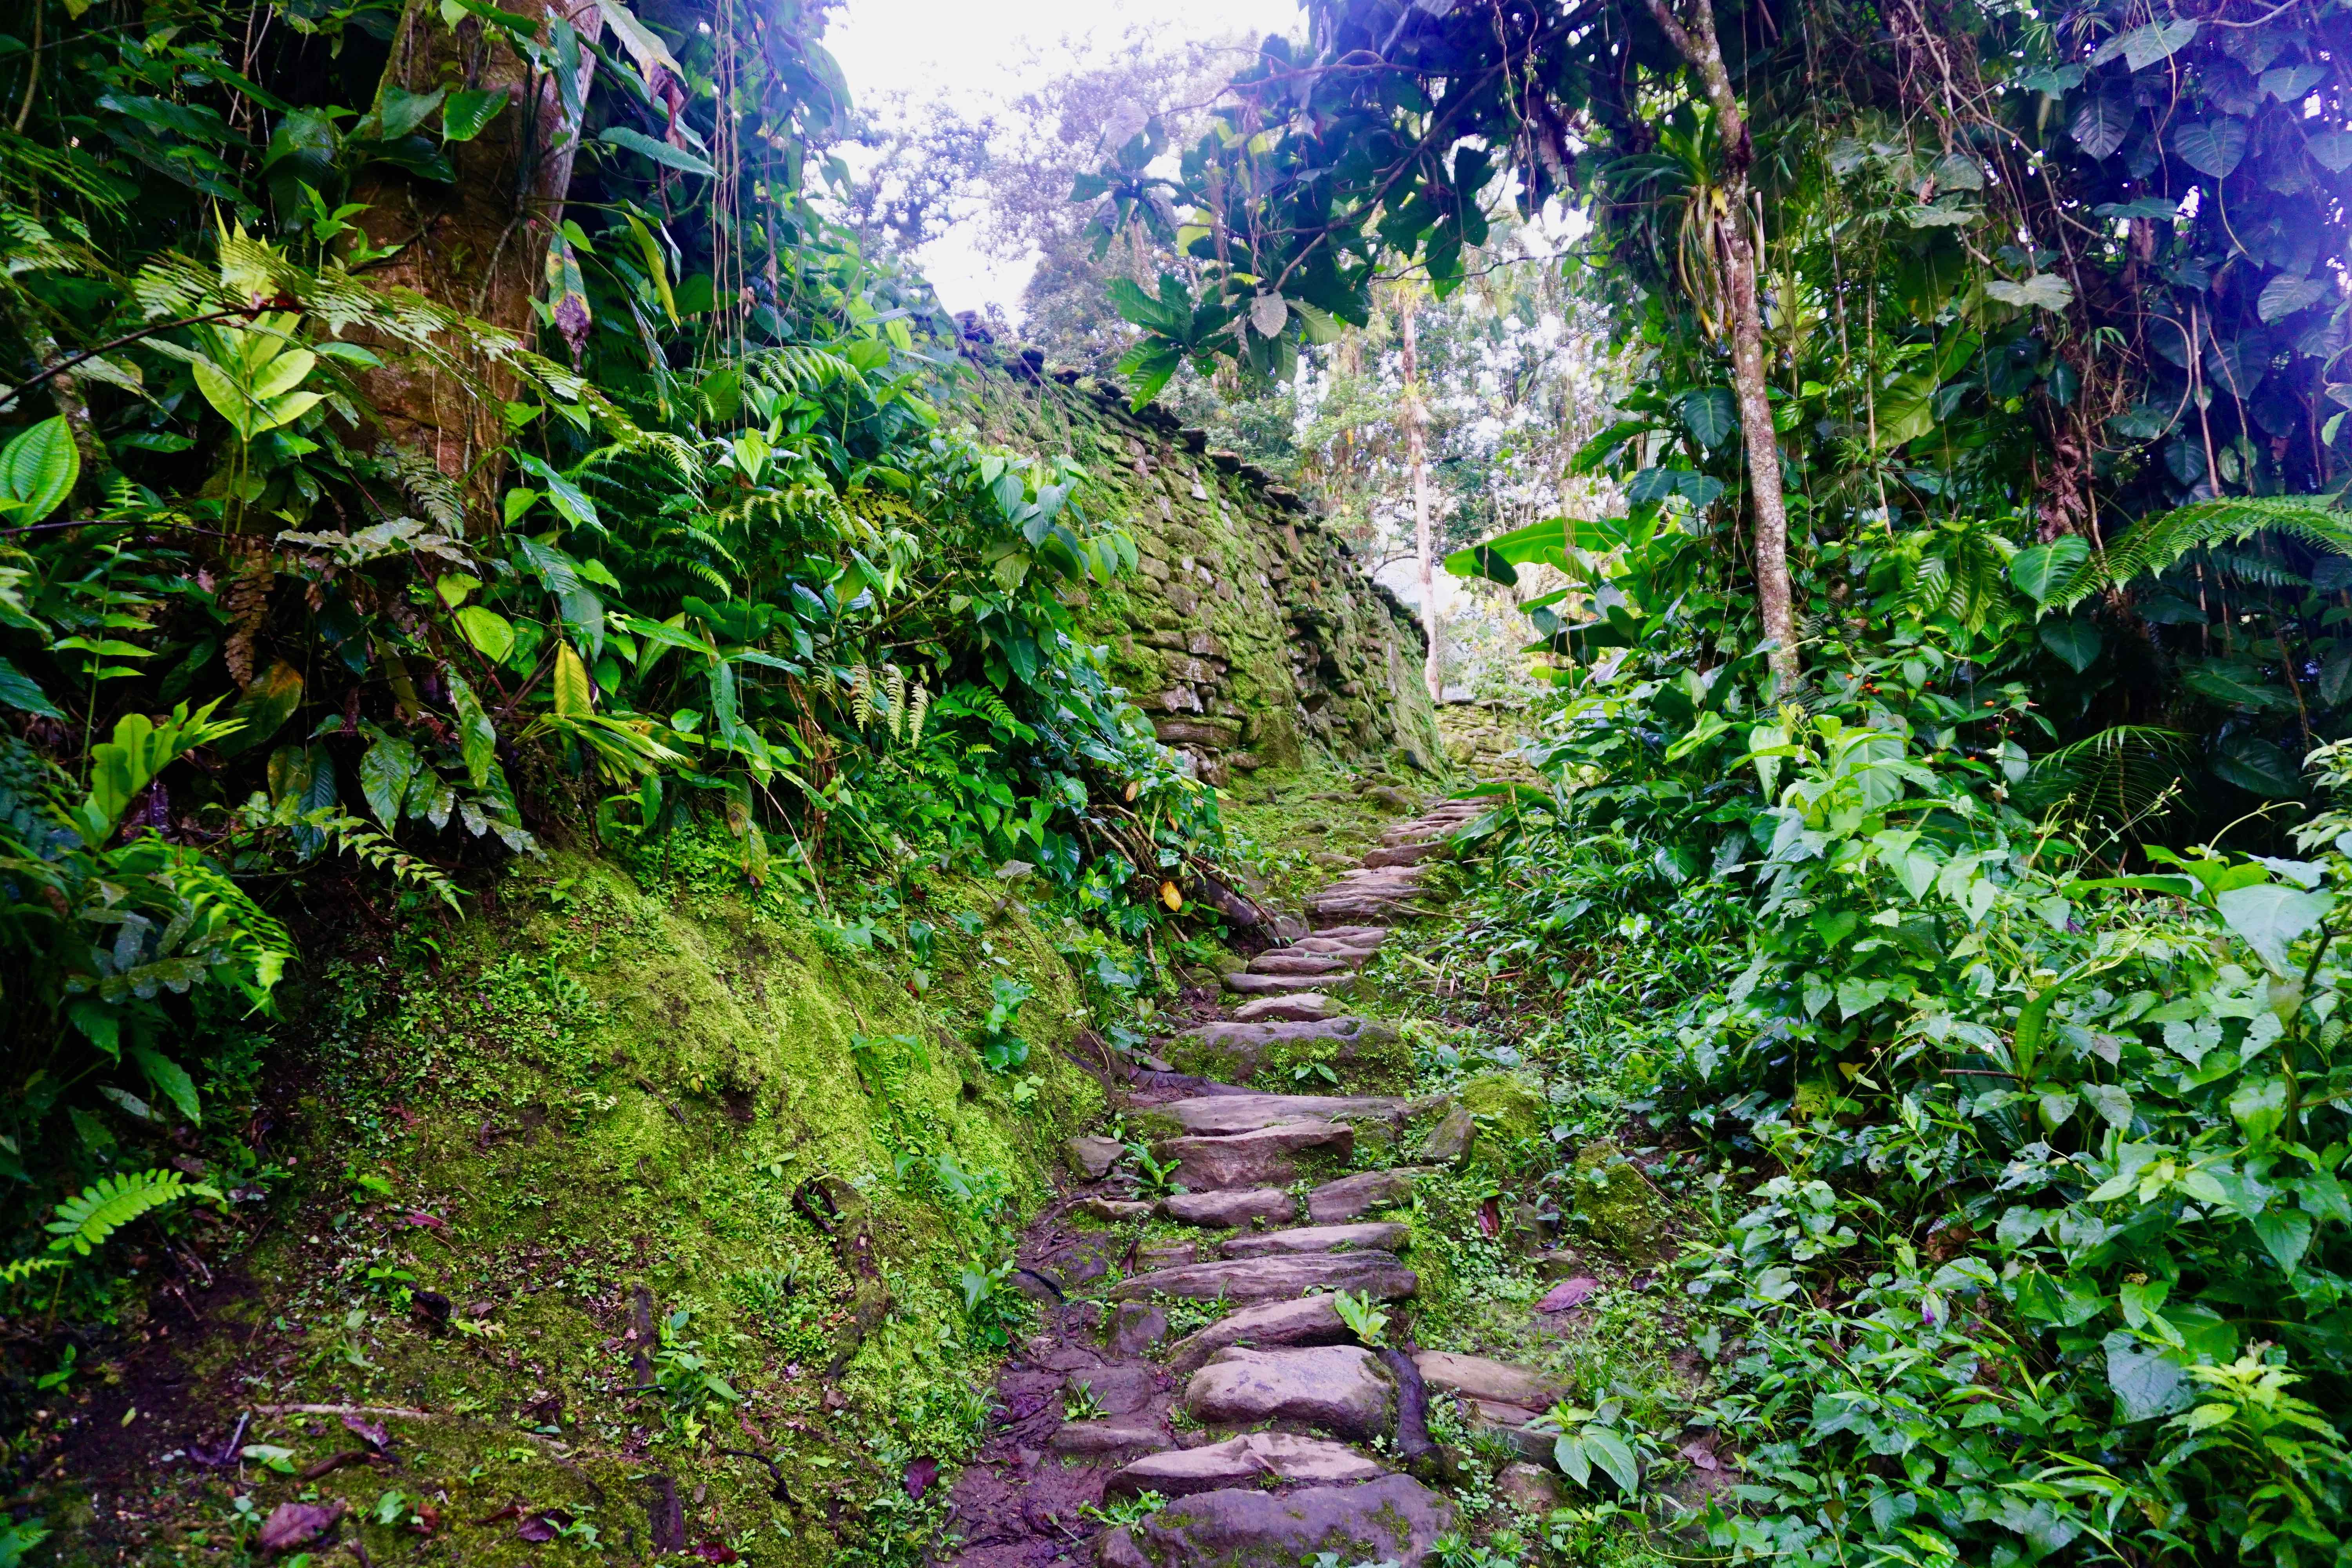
(1217, 1370)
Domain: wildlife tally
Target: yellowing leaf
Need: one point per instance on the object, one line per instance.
(572, 692)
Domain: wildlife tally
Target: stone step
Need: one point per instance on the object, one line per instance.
(1252, 984)
(1230, 1210)
(1308, 1006)
(1393, 1520)
(1305, 1320)
(1371, 1238)
(1291, 961)
(1353, 1197)
(1344, 1390)
(1253, 1279)
(1226, 1114)
(1354, 948)
(1110, 1440)
(1499, 1382)
(1254, 1458)
(1374, 934)
(1263, 1157)
(1515, 1424)
(1406, 854)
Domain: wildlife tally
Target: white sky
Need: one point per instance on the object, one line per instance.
(981, 54)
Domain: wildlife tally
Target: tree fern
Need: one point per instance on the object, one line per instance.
(2159, 541)
(112, 1202)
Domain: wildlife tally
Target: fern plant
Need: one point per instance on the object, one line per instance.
(2319, 522)
(109, 1204)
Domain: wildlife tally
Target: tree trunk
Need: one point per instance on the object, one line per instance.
(478, 245)
(1697, 45)
(1416, 419)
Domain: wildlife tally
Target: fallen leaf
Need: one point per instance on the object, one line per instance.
(711, 1552)
(1699, 1457)
(543, 1526)
(293, 1524)
(1569, 1293)
(1490, 1219)
(428, 1519)
(372, 1433)
(921, 1475)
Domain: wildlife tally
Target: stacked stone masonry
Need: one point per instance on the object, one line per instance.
(1249, 633)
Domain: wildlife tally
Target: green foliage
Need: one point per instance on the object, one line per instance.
(84, 1222)
(1364, 1318)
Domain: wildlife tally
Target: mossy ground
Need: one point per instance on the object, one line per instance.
(597, 1092)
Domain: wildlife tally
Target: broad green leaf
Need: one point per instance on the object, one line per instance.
(1710, 414)
(171, 1080)
(400, 112)
(22, 692)
(2292, 84)
(2269, 918)
(2042, 290)
(1610, 1452)
(2256, 765)
(2286, 1235)
(264, 709)
(646, 49)
(568, 497)
(573, 693)
(2102, 122)
(469, 112)
(2043, 571)
(385, 772)
(2143, 47)
(2286, 294)
(492, 635)
(659, 152)
(2331, 150)
(2112, 1102)
(39, 469)
(2213, 147)
(2145, 1385)
(2074, 641)
(477, 737)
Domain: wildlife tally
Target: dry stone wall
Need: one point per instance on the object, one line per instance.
(1250, 635)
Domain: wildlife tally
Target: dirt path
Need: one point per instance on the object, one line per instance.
(1276, 1431)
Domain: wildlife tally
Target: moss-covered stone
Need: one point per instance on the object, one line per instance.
(1509, 1113)
(1618, 1207)
(1249, 633)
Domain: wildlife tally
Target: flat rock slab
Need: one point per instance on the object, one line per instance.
(1120, 1390)
(1307, 1007)
(1375, 1237)
(1393, 1520)
(1100, 1439)
(1364, 1031)
(1355, 948)
(1353, 1197)
(1254, 1458)
(1289, 961)
(1308, 1320)
(1475, 1378)
(1222, 1115)
(1244, 982)
(1135, 1328)
(1405, 853)
(1093, 1157)
(1264, 1157)
(1114, 1210)
(1515, 1426)
(1341, 1389)
(1374, 934)
(1250, 1280)
(1230, 1211)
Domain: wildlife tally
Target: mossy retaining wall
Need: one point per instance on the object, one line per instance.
(1251, 633)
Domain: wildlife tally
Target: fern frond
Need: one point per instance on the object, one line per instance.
(2159, 541)
(17, 1270)
(919, 706)
(112, 1202)
(2115, 775)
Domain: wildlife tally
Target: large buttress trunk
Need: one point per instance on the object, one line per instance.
(1697, 45)
(478, 245)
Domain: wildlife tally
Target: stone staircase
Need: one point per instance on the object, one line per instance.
(1273, 1432)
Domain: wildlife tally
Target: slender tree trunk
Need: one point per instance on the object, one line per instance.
(1416, 449)
(1697, 45)
(479, 244)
